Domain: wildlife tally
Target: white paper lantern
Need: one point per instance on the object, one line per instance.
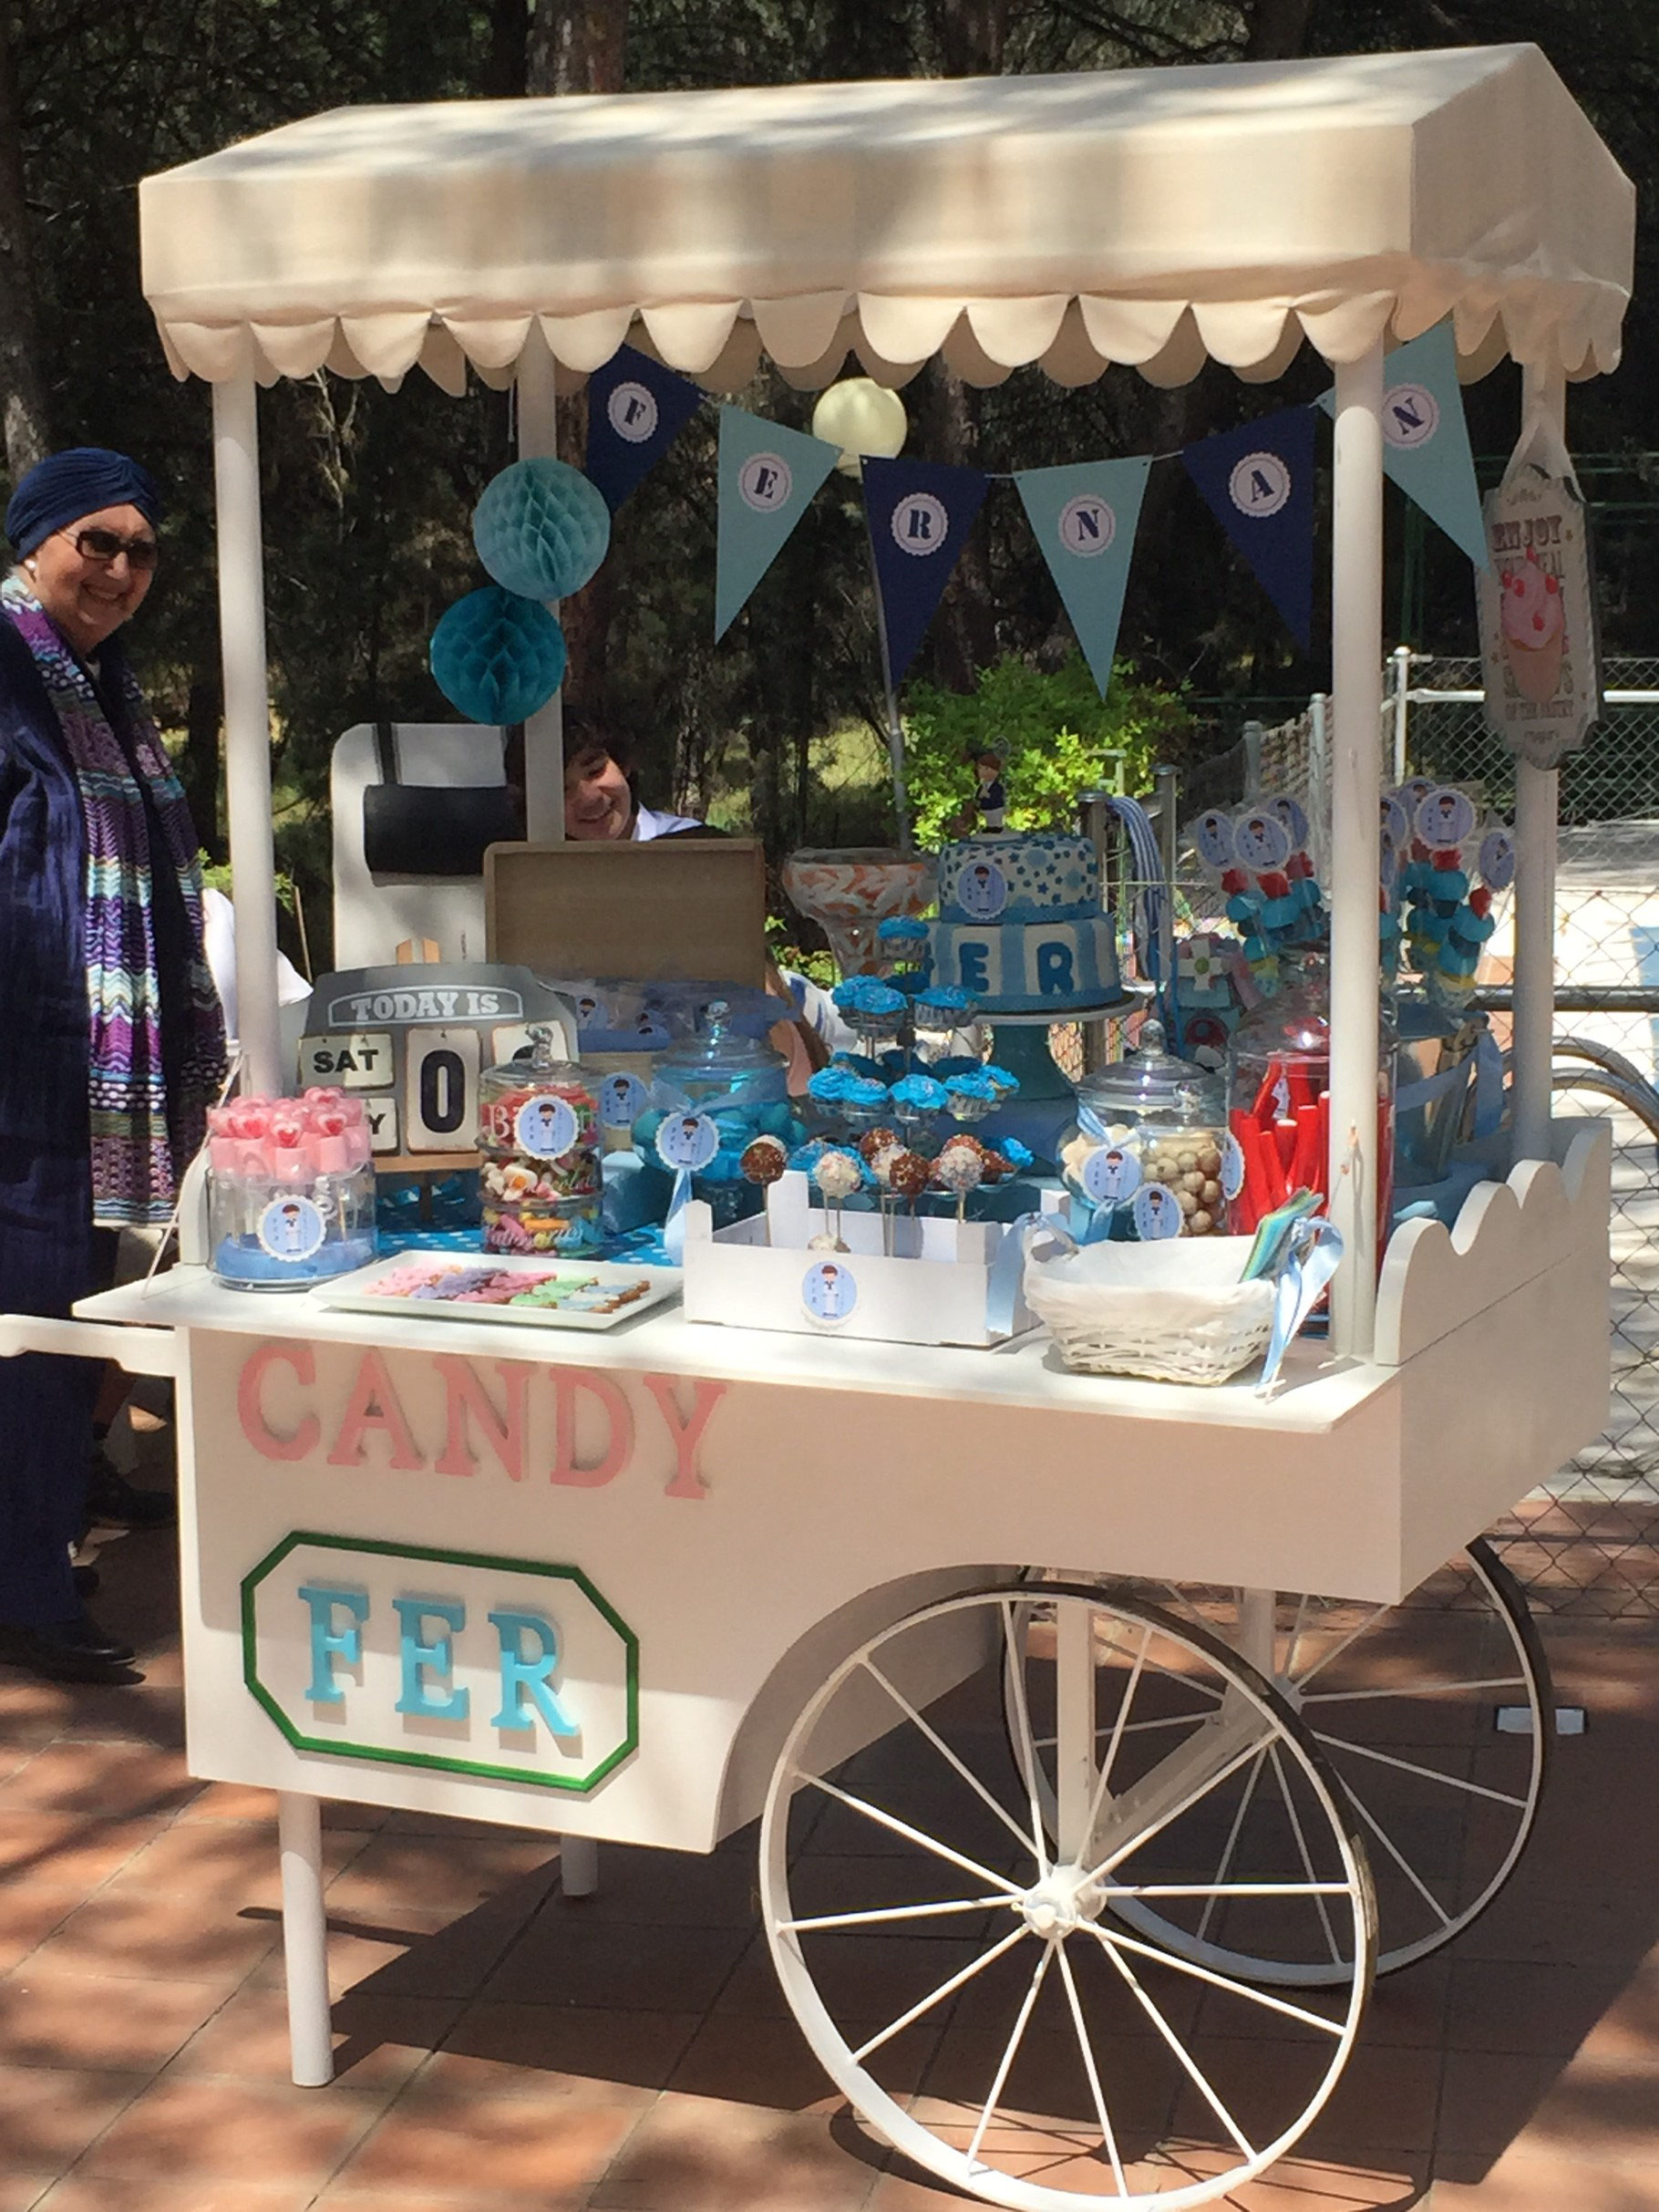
(862, 416)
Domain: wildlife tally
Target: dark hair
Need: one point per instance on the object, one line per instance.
(587, 733)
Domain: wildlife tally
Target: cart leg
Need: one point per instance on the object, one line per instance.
(1255, 1639)
(299, 1825)
(578, 1865)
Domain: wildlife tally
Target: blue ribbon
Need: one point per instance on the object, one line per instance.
(1313, 1254)
(673, 1222)
(1008, 1268)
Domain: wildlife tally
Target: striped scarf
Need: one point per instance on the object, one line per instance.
(142, 1138)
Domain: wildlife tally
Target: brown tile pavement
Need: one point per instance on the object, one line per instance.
(502, 2047)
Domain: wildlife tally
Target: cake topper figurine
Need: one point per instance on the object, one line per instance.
(990, 797)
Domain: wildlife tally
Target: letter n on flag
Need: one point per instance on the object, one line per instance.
(920, 514)
(1258, 482)
(767, 476)
(1084, 516)
(636, 408)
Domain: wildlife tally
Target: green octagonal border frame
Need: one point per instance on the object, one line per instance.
(333, 1747)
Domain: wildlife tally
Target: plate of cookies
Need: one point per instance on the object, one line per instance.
(531, 1292)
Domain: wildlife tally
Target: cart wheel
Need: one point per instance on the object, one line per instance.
(971, 1986)
(1404, 1702)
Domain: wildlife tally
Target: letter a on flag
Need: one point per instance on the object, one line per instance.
(1258, 482)
(636, 408)
(1085, 519)
(767, 476)
(920, 514)
(1425, 444)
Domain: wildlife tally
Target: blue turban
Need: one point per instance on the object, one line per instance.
(63, 486)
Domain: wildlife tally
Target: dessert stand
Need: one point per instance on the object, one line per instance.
(649, 1585)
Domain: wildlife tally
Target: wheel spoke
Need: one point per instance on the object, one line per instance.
(1426, 1774)
(1414, 1690)
(912, 1835)
(1225, 1890)
(1075, 1797)
(1179, 1965)
(1397, 1856)
(1009, 2055)
(1014, 1661)
(1088, 2052)
(1232, 1844)
(1103, 1779)
(945, 1989)
(1338, 1647)
(1183, 2055)
(1305, 1855)
(946, 1753)
(884, 1913)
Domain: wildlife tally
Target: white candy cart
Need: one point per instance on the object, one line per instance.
(999, 1654)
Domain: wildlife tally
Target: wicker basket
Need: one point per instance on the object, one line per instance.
(1174, 1311)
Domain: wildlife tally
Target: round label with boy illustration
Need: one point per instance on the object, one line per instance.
(622, 1100)
(291, 1229)
(1110, 1174)
(830, 1293)
(982, 890)
(687, 1141)
(544, 1128)
(1156, 1213)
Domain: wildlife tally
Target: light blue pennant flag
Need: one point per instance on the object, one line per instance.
(1425, 447)
(1085, 518)
(767, 476)
(1258, 482)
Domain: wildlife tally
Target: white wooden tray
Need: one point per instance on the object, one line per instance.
(355, 1293)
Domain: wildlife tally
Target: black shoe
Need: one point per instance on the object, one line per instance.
(86, 1581)
(72, 1651)
(112, 1502)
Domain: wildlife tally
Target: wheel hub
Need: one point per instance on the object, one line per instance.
(1063, 1901)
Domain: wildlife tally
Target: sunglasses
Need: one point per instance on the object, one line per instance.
(109, 545)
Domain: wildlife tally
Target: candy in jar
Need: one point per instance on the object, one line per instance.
(539, 1135)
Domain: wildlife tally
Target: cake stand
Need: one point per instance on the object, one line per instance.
(1046, 1101)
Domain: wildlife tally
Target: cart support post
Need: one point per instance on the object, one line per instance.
(299, 1829)
(1537, 797)
(537, 416)
(1357, 665)
(578, 1865)
(247, 726)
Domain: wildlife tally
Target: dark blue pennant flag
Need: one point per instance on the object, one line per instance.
(920, 514)
(1258, 482)
(636, 408)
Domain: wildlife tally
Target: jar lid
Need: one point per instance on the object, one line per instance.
(721, 1053)
(1150, 1079)
(542, 1063)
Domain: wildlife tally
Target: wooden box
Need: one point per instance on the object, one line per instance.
(691, 907)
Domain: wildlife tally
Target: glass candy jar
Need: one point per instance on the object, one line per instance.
(1278, 1095)
(1151, 1122)
(739, 1088)
(290, 1190)
(539, 1136)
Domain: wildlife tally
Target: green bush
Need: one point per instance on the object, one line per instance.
(1055, 733)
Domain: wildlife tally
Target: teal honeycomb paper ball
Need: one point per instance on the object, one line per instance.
(496, 656)
(542, 529)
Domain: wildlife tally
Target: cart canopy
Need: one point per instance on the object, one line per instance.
(1141, 216)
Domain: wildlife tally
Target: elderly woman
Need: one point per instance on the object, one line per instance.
(113, 1043)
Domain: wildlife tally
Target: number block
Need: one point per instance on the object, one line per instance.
(440, 1089)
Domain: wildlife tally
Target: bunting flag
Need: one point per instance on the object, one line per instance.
(1258, 482)
(1425, 447)
(636, 408)
(767, 476)
(1085, 518)
(919, 514)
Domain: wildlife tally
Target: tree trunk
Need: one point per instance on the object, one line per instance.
(1278, 30)
(580, 46)
(970, 35)
(577, 45)
(23, 393)
(198, 760)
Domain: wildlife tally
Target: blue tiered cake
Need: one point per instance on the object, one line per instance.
(1020, 925)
